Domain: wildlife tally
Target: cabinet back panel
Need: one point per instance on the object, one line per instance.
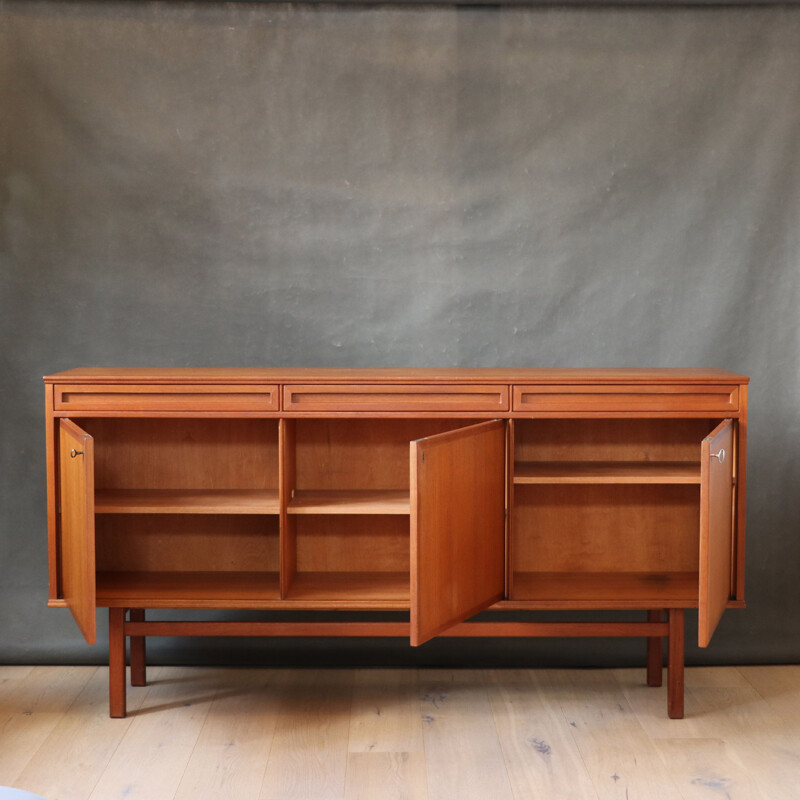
(187, 543)
(353, 544)
(360, 454)
(610, 439)
(185, 453)
(617, 528)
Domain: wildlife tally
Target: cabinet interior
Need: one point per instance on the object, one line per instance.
(190, 511)
(316, 512)
(606, 509)
(186, 509)
(347, 529)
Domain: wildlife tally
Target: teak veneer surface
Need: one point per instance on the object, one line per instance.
(607, 589)
(390, 375)
(440, 492)
(606, 472)
(186, 501)
(350, 501)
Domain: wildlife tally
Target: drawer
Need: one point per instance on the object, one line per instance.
(622, 398)
(153, 397)
(394, 397)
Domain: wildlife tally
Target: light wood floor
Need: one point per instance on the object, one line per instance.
(385, 734)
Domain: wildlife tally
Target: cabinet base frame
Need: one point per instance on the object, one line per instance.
(137, 628)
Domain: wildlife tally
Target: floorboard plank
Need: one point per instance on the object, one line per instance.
(152, 756)
(31, 708)
(622, 762)
(308, 758)
(462, 751)
(385, 715)
(230, 756)
(70, 761)
(386, 776)
(540, 753)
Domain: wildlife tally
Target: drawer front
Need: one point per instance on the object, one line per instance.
(373, 397)
(622, 398)
(147, 397)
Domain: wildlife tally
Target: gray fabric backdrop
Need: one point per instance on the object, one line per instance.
(204, 184)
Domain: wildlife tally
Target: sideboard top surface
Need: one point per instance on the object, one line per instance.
(172, 375)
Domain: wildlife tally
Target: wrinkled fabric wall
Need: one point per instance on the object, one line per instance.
(245, 184)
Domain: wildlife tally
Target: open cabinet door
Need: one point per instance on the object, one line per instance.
(457, 526)
(716, 528)
(76, 484)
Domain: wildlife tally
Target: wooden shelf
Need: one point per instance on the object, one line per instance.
(188, 589)
(606, 472)
(186, 501)
(346, 501)
(384, 590)
(608, 590)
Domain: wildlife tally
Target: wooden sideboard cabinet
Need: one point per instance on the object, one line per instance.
(439, 492)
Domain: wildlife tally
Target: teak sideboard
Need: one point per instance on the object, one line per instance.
(439, 492)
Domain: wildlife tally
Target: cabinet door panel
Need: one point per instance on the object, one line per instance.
(76, 480)
(716, 528)
(457, 526)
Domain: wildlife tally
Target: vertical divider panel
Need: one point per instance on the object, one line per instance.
(509, 507)
(740, 466)
(287, 480)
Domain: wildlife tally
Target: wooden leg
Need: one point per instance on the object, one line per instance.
(655, 652)
(138, 652)
(675, 664)
(116, 662)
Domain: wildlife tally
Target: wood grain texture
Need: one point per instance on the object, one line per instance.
(358, 589)
(52, 438)
(464, 757)
(619, 758)
(70, 761)
(606, 528)
(716, 529)
(229, 758)
(538, 749)
(390, 776)
(457, 526)
(308, 756)
(740, 515)
(232, 375)
(675, 663)
(577, 735)
(186, 501)
(606, 472)
(147, 397)
(287, 481)
(383, 397)
(605, 589)
(610, 440)
(359, 454)
(192, 454)
(187, 542)
(31, 707)
(655, 651)
(151, 589)
(352, 543)
(385, 716)
(350, 501)
(138, 651)
(626, 398)
(76, 478)
(152, 757)
(117, 706)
